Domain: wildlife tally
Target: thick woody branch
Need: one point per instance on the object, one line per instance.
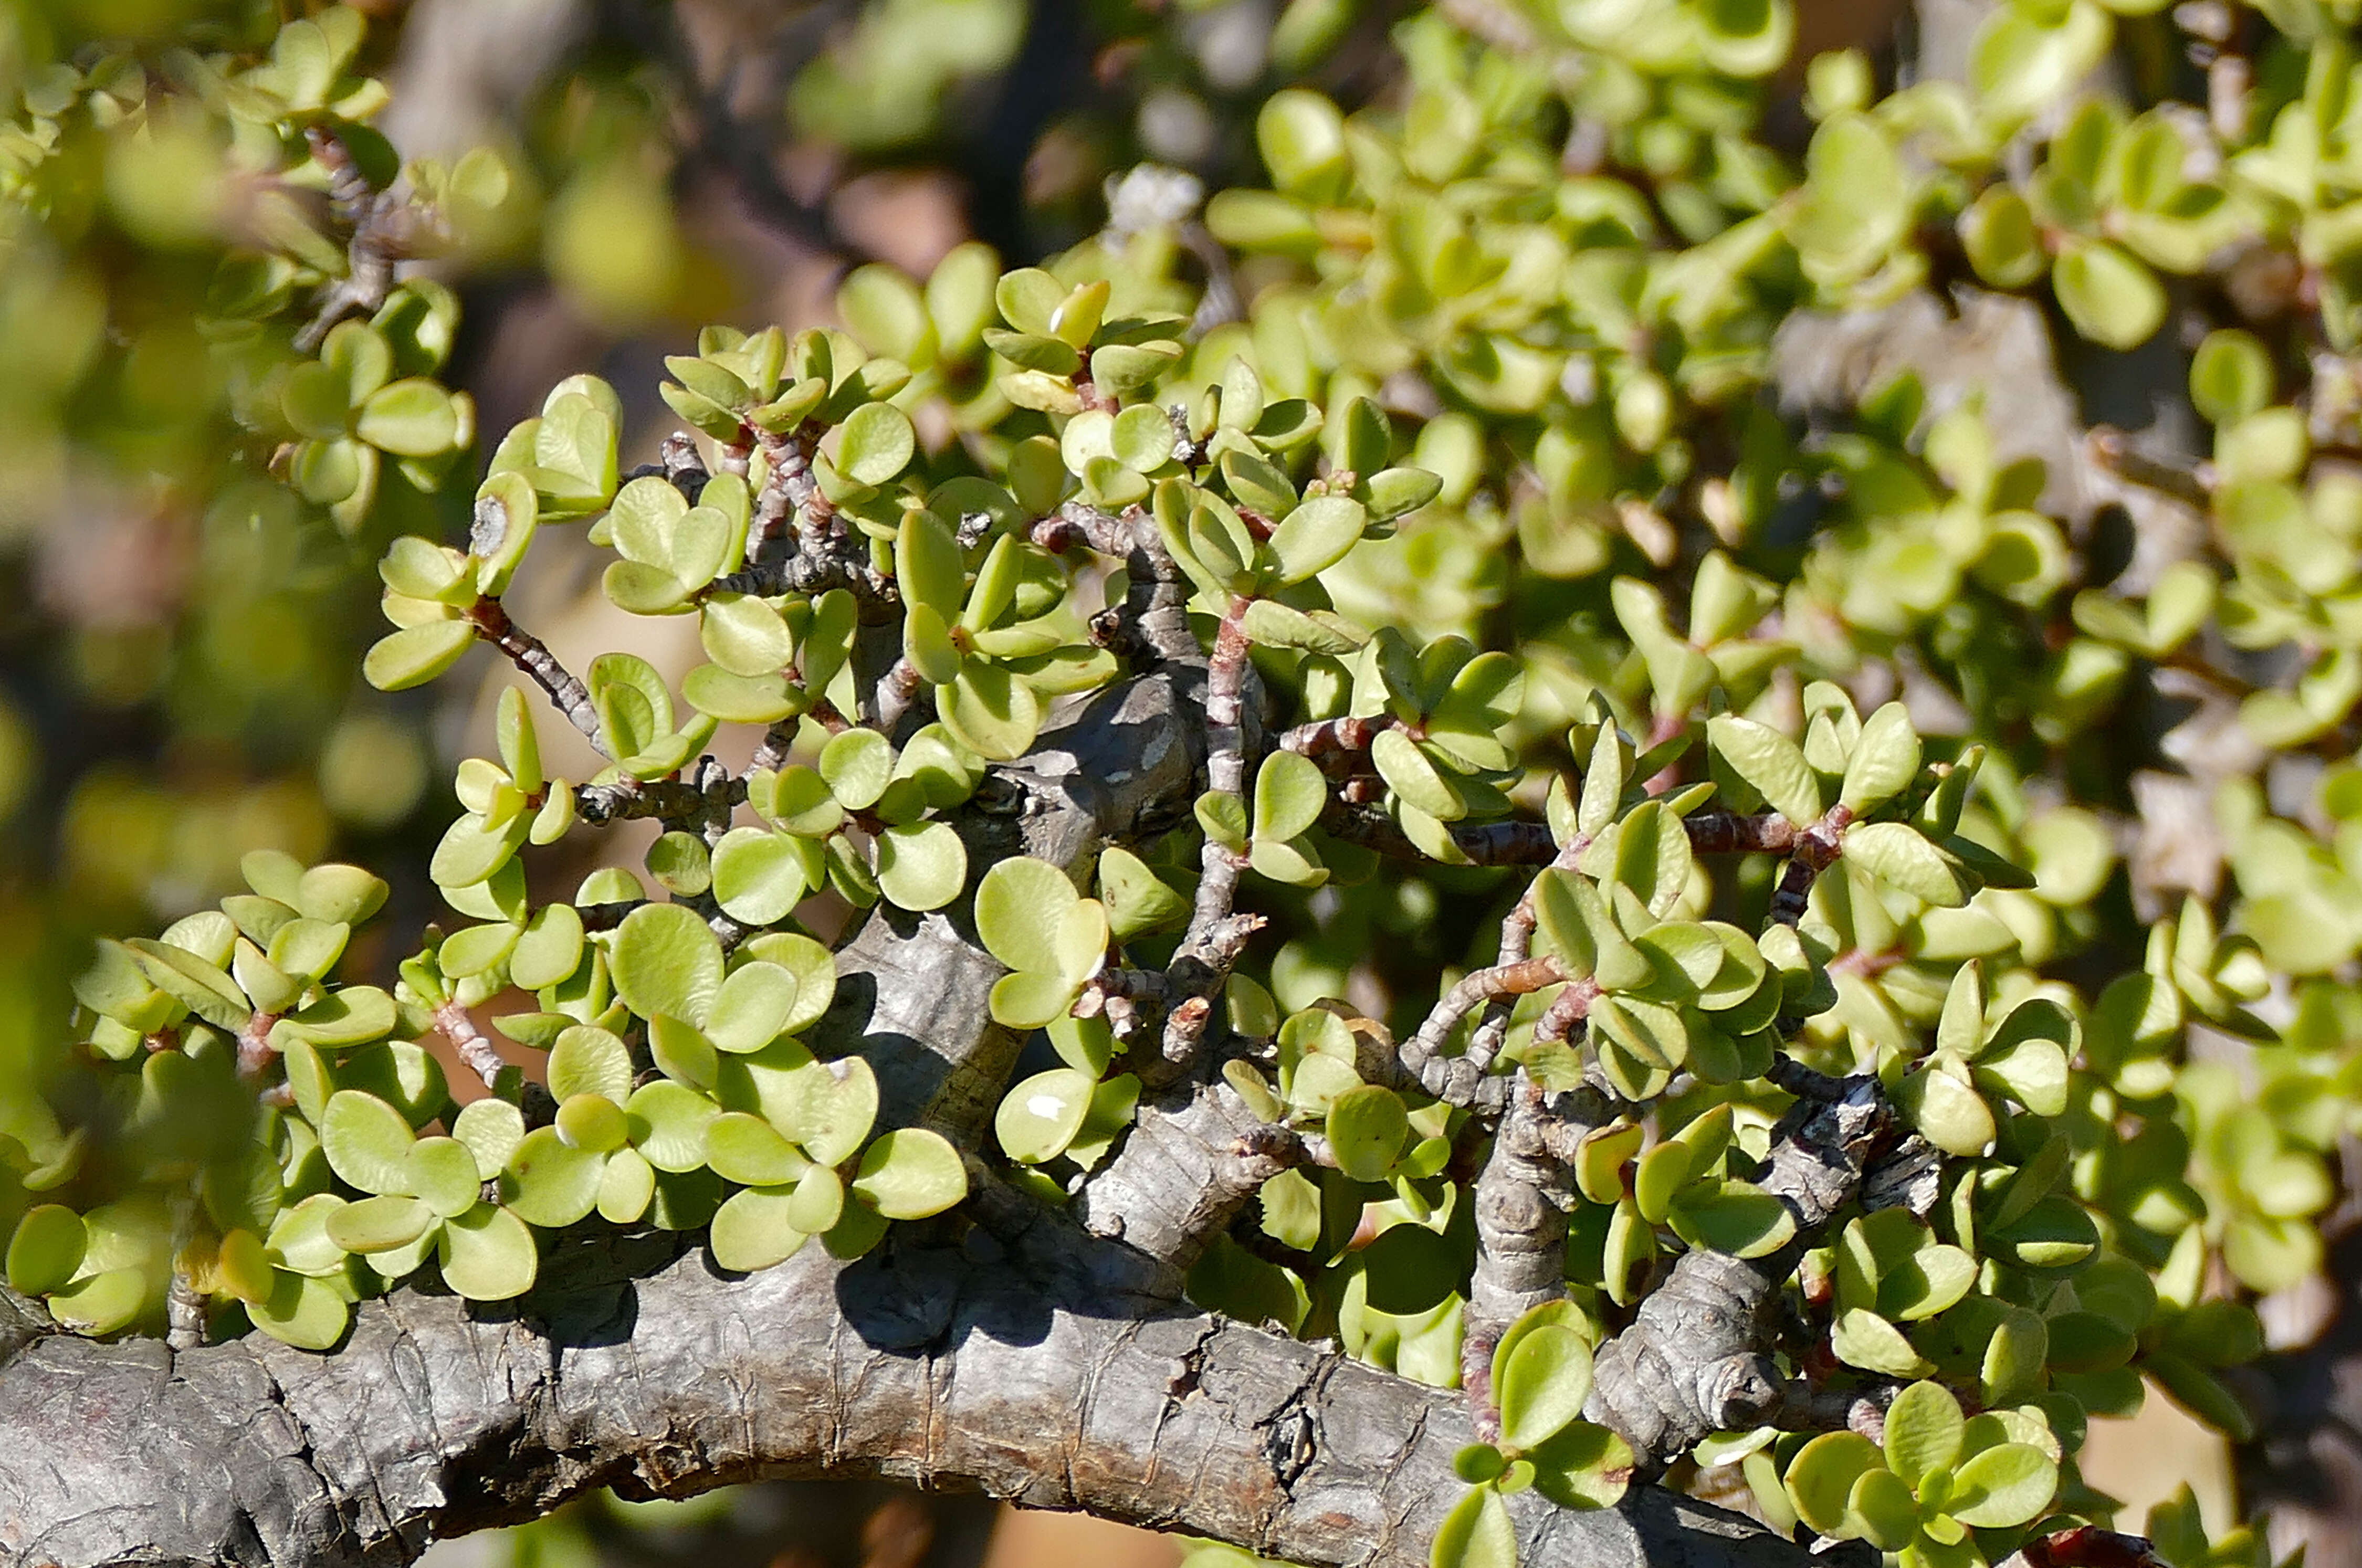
(565, 693)
(1183, 1175)
(1693, 1361)
(639, 1367)
(1521, 1201)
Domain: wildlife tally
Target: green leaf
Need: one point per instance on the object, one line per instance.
(1543, 1386)
(414, 418)
(922, 865)
(586, 1060)
(551, 1182)
(1021, 904)
(876, 444)
(304, 1312)
(444, 1172)
(1041, 1116)
(1477, 1533)
(367, 1142)
(2111, 298)
(667, 1125)
(487, 1255)
(1734, 1217)
(416, 655)
(991, 712)
(381, 1225)
(910, 1173)
(666, 960)
(755, 1230)
(1289, 792)
(749, 1151)
(1881, 1510)
(1770, 763)
(1820, 1479)
(1867, 1340)
(760, 877)
(1315, 536)
(1368, 1129)
(2014, 1358)
(47, 1249)
(1900, 856)
(1030, 999)
(1923, 1432)
(2006, 1485)
(1412, 775)
(1885, 759)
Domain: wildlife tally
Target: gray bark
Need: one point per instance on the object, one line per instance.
(637, 1365)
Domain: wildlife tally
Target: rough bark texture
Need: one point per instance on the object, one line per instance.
(636, 1365)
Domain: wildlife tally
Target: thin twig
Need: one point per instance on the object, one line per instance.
(528, 653)
(1215, 937)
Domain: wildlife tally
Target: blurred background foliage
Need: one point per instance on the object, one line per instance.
(187, 586)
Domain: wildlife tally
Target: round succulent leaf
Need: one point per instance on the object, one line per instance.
(992, 713)
(1948, 1113)
(1413, 775)
(759, 876)
(1476, 1533)
(2004, 1486)
(491, 1129)
(927, 644)
(683, 1053)
(1368, 1129)
(755, 1230)
(827, 1107)
(744, 636)
(667, 1125)
(550, 949)
(442, 1172)
(1542, 1385)
(625, 1188)
(381, 1225)
(1865, 1339)
(2112, 299)
(301, 1312)
(1289, 792)
(1733, 1217)
(749, 1151)
(1923, 1432)
(1040, 1117)
(367, 1142)
(487, 1255)
(2014, 1357)
(1136, 899)
(1021, 905)
(551, 1182)
(875, 444)
(922, 865)
(1885, 759)
(1820, 1479)
(1031, 1001)
(812, 966)
(664, 959)
(589, 1060)
(1770, 763)
(910, 1173)
(857, 765)
(1315, 536)
(47, 1249)
(1881, 1510)
(593, 1121)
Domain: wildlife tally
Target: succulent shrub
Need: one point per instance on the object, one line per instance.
(1487, 811)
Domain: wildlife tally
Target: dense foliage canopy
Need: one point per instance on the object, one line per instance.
(1568, 757)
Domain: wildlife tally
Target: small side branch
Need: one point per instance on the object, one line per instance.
(527, 652)
(1458, 1080)
(1152, 624)
(1816, 849)
(629, 798)
(1215, 937)
(1521, 1201)
(371, 218)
